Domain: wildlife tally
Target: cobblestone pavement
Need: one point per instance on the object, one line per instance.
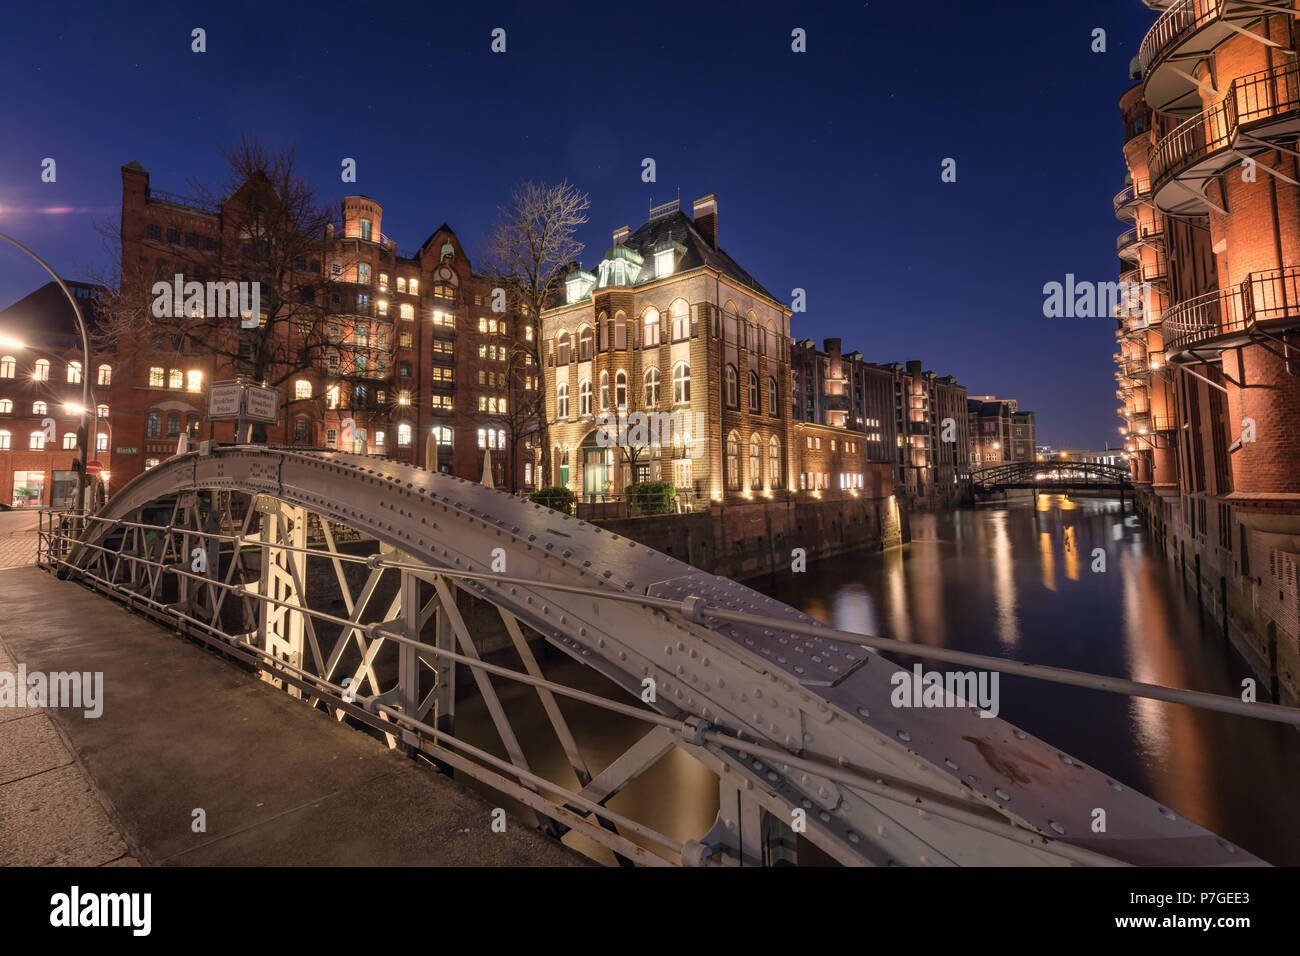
(18, 538)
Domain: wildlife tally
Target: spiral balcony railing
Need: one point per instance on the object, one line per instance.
(1126, 245)
(1189, 31)
(1227, 317)
(1261, 104)
(1163, 423)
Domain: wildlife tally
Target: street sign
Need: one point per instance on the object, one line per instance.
(262, 404)
(224, 401)
(93, 468)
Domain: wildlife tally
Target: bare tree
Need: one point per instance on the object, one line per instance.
(528, 250)
(274, 233)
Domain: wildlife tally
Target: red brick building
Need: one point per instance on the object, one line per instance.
(387, 352)
(41, 369)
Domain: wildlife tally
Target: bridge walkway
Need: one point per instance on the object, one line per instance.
(278, 784)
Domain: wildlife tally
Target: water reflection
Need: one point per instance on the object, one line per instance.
(1019, 581)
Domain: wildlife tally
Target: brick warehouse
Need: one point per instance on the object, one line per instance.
(407, 354)
(669, 322)
(41, 369)
(1206, 360)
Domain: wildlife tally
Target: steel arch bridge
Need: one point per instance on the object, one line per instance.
(1052, 475)
(357, 584)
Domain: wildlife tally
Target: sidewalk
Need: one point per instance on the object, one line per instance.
(18, 538)
(183, 730)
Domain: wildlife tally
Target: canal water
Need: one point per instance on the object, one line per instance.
(1015, 581)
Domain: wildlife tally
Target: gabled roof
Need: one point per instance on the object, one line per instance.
(678, 227)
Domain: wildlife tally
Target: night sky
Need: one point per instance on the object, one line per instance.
(826, 164)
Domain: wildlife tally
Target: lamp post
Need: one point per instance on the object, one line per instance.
(87, 395)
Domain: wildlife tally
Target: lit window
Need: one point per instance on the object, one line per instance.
(403, 432)
(365, 229)
(733, 398)
(413, 287)
(5, 438)
(101, 411)
(332, 397)
(302, 388)
(36, 440)
(733, 461)
(6, 406)
(442, 435)
(383, 280)
(331, 438)
(69, 441)
(41, 371)
(562, 348)
(151, 463)
(194, 381)
(680, 313)
(681, 383)
(651, 326)
(663, 263)
(382, 306)
(106, 375)
(155, 377)
(620, 390)
(175, 379)
(407, 311)
(604, 390)
(404, 397)
(7, 366)
(584, 397)
(39, 408)
(74, 372)
(562, 401)
(379, 439)
(652, 388)
(586, 339)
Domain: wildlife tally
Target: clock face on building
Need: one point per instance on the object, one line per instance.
(444, 273)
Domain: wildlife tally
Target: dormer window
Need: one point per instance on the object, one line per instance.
(620, 272)
(663, 263)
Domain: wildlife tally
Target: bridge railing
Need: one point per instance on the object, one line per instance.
(132, 559)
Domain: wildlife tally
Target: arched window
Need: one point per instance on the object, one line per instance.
(101, 411)
(680, 314)
(6, 406)
(442, 434)
(773, 463)
(562, 401)
(562, 348)
(620, 390)
(106, 375)
(41, 371)
(301, 431)
(7, 366)
(733, 461)
(773, 399)
(604, 391)
(5, 439)
(302, 388)
(584, 397)
(753, 392)
(36, 440)
(755, 462)
(620, 331)
(74, 372)
(652, 388)
(173, 424)
(403, 434)
(585, 341)
(69, 441)
(650, 324)
(39, 408)
(603, 323)
(681, 383)
(733, 388)
(770, 339)
(101, 442)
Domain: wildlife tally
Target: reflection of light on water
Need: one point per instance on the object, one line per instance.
(1004, 582)
(1138, 632)
(900, 624)
(853, 611)
(1071, 553)
(927, 579)
(1047, 560)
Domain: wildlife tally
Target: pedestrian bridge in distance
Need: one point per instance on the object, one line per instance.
(1054, 476)
(360, 585)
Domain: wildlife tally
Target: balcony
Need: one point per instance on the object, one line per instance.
(1185, 33)
(1255, 107)
(1163, 423)
(1224, 318)
(1136, 368)
(1126, 246)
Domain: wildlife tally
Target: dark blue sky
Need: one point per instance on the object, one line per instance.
(826, 164)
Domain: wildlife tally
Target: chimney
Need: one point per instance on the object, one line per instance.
(621, 234)
(706, 219)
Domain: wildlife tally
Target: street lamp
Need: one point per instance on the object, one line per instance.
(87, 395)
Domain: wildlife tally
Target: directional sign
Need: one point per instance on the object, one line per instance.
(224, 399)
(261, 404)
